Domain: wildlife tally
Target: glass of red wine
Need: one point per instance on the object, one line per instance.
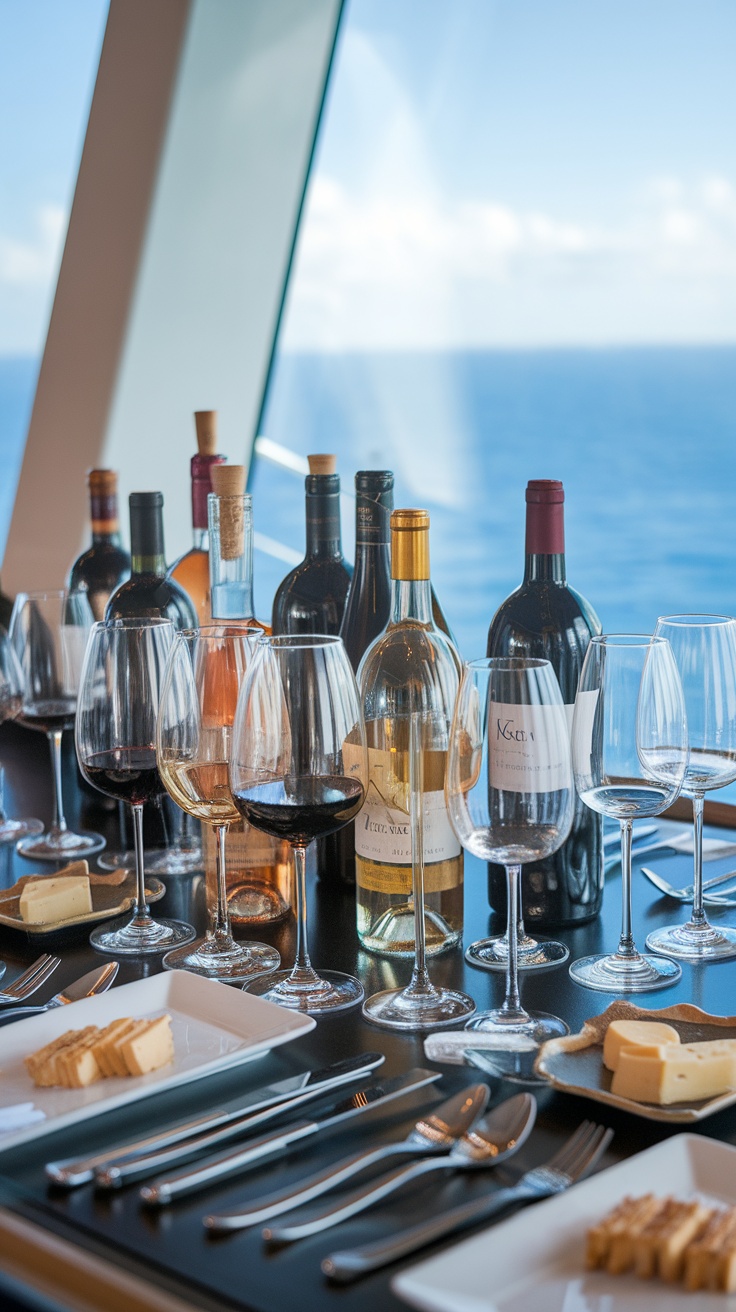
(298, 768)
(119, 695)
(11, 701)
(48, 632)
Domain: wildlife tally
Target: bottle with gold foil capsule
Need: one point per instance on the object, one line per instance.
(105, 564)
(408, 682)
(192, 570)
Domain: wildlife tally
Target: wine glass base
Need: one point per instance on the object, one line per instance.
(13, 830)
(616, 974)
(398, 1009)
(538, 1025)
(693, 942)
(64, 846)
(333, 992)
(492, 954)
(118, 860)
(236, 961)
(141, 935)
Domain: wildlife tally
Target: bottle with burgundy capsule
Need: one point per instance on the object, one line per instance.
(311, 599)
(192, 570)
(547, 618)
(105, 564)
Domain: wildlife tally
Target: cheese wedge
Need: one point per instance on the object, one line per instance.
(61, 897)
(147, 1049)
(672, 1073)
(633, 1033)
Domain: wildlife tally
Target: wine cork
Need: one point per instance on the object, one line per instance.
(206, 424)
(228, 483)
(322, 464)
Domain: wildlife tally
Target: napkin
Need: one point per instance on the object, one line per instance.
(18, 1116)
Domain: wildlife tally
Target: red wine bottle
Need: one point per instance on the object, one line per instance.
(311, 599)
(104, 565)
(546, 618)
(148, 592)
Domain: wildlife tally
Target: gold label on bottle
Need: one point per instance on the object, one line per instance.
(396, 880)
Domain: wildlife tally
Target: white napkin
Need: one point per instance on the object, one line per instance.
(18, 1116)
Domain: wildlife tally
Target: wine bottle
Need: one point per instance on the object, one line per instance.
(230, 517)
(311, 599)
(192, 570)
(105, 564)
(408, 680)
(148, 592)
(546, 618)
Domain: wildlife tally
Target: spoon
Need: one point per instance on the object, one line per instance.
(95, 981)
(686, 894)
(500, 1134)
(435, 1133)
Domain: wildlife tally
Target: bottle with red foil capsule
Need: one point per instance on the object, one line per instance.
(192, 570)
(547, 618)
(105, 564)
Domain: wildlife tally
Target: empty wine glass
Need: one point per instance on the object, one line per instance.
(510, 795)
(298, 771)
(203, 677)
(116, 747)
(48, 631)
(704, 648)
(629, 747)
(11, 700)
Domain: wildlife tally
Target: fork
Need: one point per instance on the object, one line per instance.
(31, 979)
(686, 894)
(575, 1159)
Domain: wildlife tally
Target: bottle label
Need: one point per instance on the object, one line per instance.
(529, 748)
(395, 880)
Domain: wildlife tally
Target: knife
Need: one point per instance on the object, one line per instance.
(165, 1190)
(253, 1108)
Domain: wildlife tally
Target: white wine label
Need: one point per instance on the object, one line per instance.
(528, 748)
(383, 832)
(586, 705)
(397, 880)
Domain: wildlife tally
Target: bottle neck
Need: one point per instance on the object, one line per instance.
(104, 519)
(540, 568)
(545, 542)
(411, 599)
(200, 539)
(201, 471)
(147, 552)
(231, 557)
(324, 536)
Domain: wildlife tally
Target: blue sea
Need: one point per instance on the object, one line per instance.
(643, 439)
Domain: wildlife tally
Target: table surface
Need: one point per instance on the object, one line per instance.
(171, 1248)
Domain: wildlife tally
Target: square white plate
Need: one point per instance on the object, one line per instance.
(535, 1261)
(214, 1026)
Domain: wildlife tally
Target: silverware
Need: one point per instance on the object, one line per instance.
(686, 894)
(128, 1161)
(575, 1160)
(500, 1134)
(432, 1134)
(714, 849)
(164, 1191)
(95, 981)
(31, 979)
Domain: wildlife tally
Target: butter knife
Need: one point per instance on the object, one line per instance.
(235, 1117)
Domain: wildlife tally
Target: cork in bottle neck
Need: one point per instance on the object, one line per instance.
(205, 422)
(233, 509)
(410, 545)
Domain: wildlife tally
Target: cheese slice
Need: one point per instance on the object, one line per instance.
(149, 1048)
(61, 897)
(631, 1033)
(671, 1073)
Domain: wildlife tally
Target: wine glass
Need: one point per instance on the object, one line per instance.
(11, 701)
(48, 631)
(510, 795)
(704, 648)
(629, 739)
(116, 747)
(297, 771)
(203, 677)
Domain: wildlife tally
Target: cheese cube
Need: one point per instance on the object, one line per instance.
(631, 1033)
(49, 900)
(671, 1073)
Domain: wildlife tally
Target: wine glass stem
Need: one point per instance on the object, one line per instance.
(141, 906)
(55, 745)
(698, 916)
(420, 981)
(303, 971)
(511, 1007)
(626, 944)
(222, 919)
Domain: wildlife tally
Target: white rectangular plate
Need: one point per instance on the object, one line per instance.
(535, 1261)
(214, 1025)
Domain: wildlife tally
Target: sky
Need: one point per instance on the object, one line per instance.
(489, 173)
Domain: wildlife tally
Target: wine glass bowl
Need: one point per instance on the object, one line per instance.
(298, 771)
(630, 753)
(11, 702)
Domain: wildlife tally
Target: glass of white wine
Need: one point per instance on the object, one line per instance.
(201, 685)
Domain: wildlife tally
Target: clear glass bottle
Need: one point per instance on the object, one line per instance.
(105, 564)
(148, 592)
(230, 519)
(408, 682)
(311, 599)
(192, 570)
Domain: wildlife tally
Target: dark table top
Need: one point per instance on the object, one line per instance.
(171, 1248)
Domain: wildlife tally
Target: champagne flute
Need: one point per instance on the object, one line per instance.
(704, 648)
(203, 677)
(48, 631)
(116, 748)
(297, 771)
(630, 754)
(510, 795)
(11, 701)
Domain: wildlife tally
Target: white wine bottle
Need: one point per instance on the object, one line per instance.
(408, 683)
